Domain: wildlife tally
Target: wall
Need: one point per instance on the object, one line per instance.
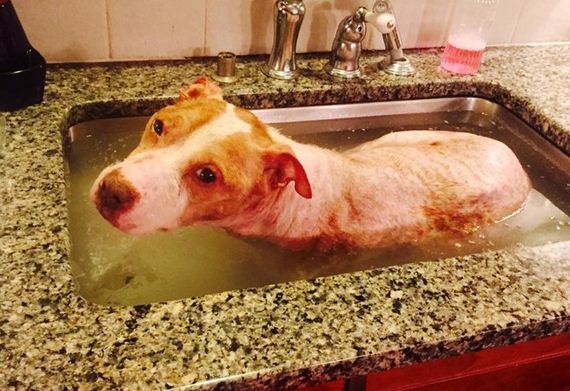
(100, 30)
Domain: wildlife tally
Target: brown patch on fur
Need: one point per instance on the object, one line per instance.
(328, 243)
(237, 161)
(115, 196)
(258, 128)
(453, 211)
(354, 214)
(460, 217)
(180, 120)
(334, 237)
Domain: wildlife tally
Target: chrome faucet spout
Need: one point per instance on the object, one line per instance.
(289, 16)
(347, 46)
(346, 50)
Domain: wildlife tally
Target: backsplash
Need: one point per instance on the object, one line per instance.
(100, 30)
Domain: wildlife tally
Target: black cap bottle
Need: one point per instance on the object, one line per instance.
(22, 68)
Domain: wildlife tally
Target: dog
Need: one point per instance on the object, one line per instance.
(203, 161)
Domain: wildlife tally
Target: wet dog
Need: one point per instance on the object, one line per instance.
(203, 161)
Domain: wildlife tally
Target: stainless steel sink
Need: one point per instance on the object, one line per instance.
(111, 267)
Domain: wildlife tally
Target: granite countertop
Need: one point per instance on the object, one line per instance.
(279, 336)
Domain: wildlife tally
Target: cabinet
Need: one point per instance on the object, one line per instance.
(536, 365)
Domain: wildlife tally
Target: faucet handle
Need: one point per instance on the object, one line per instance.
(384, 22)
(384, 19)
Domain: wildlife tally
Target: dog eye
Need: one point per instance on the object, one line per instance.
(157, 126)
(206, 175)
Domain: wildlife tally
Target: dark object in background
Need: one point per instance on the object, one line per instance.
(22, 68)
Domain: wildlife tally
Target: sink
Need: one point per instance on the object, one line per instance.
(110, 267)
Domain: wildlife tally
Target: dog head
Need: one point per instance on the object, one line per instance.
(201, 159)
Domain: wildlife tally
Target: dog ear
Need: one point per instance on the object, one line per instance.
(202, 87)
(284, 168)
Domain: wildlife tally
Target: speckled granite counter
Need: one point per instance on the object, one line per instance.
(279, 336)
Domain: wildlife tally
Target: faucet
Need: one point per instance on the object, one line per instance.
(288, 16)
(347, 46)
(345, 53)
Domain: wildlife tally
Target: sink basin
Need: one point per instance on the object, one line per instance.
(112, 267)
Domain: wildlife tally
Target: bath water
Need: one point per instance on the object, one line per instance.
(111, 267)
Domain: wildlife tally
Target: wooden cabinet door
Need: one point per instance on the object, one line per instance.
(528, 366)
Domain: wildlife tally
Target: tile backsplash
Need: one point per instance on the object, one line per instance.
(99, 30)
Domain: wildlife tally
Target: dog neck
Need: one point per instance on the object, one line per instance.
(288, 217)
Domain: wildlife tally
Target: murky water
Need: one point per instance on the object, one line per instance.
(112, 267)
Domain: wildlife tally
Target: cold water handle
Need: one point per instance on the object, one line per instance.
(383, 18)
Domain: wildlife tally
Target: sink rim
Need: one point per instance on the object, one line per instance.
(320, 113)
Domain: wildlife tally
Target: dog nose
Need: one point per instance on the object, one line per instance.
(115, 195)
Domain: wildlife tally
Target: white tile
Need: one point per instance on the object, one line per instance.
(420, 23)
(506, 20)
(408, 22)
(542, 21)
(66, 30)
(239, 26)
(249, 26)
(433, 24)
(144, 29)
(321, 22)
(426, 23)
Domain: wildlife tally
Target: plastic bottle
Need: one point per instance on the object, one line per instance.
(22, 68)
(467, 39)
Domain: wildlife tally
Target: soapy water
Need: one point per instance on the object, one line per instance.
(463, 54)
(112, 267)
